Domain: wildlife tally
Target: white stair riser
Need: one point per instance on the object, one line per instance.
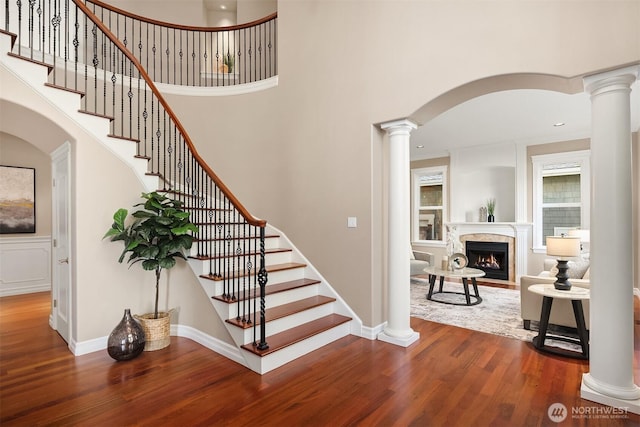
(273, 278)
(270, 259)
(274, 300)
(269, 243)
(262, 365)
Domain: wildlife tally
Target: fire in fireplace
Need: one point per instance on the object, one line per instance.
(491, 257)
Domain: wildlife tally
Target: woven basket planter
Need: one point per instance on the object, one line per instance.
(157, 331)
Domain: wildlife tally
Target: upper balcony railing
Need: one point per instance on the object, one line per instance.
(195, 56)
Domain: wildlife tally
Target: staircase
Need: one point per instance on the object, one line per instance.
(298, 311)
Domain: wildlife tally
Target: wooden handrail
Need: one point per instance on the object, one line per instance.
(225, 190)
(183, 27)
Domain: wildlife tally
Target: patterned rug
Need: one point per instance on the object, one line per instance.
(498, 313)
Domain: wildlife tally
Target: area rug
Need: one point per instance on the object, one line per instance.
(498, 313)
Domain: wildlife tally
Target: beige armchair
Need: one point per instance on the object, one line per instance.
(561, 310)
(419, 261)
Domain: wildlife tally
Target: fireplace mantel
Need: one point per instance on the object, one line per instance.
(511, 229)
(520, 231)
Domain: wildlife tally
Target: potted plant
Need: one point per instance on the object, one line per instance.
(491, 207)
(157, 236)
(228, 62)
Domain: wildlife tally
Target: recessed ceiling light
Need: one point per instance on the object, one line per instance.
(223, 7)
(559, 124)
(419, 146)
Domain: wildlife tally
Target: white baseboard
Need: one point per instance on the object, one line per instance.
(89, 346)
(224, 349)
(212, 343)
(371, 333)
(46, 287)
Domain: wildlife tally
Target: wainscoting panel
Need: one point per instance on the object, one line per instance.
(25, 265)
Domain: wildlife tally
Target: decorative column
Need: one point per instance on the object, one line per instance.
(610, 377)
(398, 330)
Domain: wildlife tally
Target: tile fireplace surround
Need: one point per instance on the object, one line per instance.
(516, 234)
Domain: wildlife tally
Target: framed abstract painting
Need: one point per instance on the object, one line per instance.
(17, 200)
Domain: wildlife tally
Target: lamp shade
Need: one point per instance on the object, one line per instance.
(584, 235)
(563, 246)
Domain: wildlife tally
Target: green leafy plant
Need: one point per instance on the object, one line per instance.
(158, 235)
(491, 206)
(229, 61)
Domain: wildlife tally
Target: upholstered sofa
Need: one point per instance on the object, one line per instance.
(561, 310)
(419, 261)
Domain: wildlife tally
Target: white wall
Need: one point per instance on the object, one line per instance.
(25, 265)
(478, 174)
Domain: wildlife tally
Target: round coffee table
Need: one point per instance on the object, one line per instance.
(462, 273)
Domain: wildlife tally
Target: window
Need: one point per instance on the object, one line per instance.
(429, 207)
(561, 194)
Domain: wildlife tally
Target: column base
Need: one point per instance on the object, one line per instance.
(591, 389)
(402, 341)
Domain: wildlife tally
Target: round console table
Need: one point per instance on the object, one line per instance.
(576, 295)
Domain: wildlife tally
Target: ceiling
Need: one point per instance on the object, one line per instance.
(517, 116)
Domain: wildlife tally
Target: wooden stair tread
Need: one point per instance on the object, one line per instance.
(270, 269)
(66, 89)
(33, 61)
(91, 113)
(126, 138)
(294, 335)
(272, 289)
(10, 34)
(234, 255)
(197, 208)
(284, 310)
(215, 239)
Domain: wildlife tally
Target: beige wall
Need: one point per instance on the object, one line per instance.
(305, 155)
(183, 12)
(302, 155)
(17, 152)
(251, 10)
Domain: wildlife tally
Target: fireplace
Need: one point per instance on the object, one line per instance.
(491, 257)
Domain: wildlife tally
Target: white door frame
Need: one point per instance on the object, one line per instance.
(61, 253)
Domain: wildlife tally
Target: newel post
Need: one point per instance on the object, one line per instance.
(398, 330)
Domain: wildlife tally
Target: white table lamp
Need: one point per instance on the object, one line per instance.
(563, 248)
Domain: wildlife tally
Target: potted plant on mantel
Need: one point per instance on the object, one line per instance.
(158, 235)
(491, 207)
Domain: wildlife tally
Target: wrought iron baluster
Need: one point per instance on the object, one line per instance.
(262, 280)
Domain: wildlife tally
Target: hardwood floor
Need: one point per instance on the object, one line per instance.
(450, 377)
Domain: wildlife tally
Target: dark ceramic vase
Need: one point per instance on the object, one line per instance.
(127, 340)
(491, 218)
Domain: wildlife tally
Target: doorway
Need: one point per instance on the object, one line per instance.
(61, 294)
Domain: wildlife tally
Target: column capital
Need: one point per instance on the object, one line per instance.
(611, 80)
(402, 125)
